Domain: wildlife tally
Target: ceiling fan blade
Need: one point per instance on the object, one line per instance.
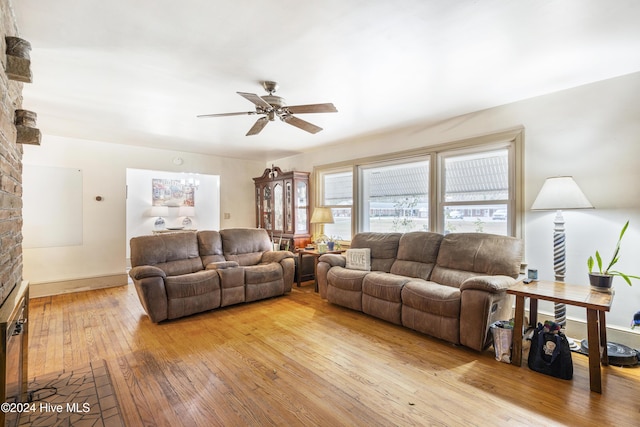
(258, 126)
(312, 108)
(255, 99)
(299, 123)
(226, 114)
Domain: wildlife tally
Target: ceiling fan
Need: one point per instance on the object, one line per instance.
(272, 106)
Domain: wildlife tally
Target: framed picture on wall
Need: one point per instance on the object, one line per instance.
(172, 192)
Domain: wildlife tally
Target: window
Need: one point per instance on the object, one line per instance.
(473, 185)
(394, 196)
(337, 194)
(475, 191)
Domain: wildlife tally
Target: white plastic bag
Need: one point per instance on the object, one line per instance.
(502, 332)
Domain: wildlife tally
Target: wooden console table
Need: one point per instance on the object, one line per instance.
(596, 303)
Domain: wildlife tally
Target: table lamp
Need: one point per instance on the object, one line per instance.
(187, 212)
(159, 211)
(559, 193)
(322, 215)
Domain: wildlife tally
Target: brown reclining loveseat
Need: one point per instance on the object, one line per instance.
(178, 274)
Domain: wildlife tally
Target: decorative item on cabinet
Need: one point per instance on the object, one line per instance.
(282, 205)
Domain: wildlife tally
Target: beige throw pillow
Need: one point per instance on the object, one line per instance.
(358, 259)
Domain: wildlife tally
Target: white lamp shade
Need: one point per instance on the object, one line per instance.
(187, 211)
(322, 215)
(158, 211)
(559, 193)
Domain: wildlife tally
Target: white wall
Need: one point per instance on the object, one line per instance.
(139, 198)
(103, 165)
(591, 132)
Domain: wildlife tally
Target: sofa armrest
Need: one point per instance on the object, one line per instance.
(334, 260)
(483, 300)
(221, 265)
(153, 296)
(276, 256)
(492, 284)
(143, 271)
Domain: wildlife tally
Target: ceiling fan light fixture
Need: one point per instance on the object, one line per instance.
(272, 106)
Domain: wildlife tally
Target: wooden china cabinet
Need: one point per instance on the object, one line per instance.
(282, 206)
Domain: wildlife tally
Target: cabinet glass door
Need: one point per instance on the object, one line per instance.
(278, 207)
(266, 208)
(302, 206)
(288, 207)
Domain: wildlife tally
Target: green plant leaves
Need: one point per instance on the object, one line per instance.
(627, 277)
(614, 260)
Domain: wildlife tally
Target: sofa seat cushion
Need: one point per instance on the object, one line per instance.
(192, 293)
(432, 309)
(344, 287)
(262, 273)
(192, 284)
(381, 296)
(430, 297)
(385, 286)
(343, 278)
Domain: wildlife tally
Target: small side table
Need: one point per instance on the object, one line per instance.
(315, 254)
(596, 303)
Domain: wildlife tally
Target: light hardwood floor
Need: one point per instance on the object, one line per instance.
(298, 360)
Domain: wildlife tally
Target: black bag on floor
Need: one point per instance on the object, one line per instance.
(550, 353)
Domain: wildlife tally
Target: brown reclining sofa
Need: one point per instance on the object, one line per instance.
(451, 287)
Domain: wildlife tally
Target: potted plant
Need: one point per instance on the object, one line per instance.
(331, 243)
(601, 280)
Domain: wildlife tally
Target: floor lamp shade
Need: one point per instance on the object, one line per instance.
(558, 193)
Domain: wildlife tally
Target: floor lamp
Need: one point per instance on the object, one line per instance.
(559, 193)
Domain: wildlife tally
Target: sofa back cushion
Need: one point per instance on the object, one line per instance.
(417, 254)
(210, 247)
(463, 255)
(245, 245)
(384, 247)
(174, 253)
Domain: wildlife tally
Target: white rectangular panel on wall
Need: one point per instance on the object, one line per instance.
(52, 206)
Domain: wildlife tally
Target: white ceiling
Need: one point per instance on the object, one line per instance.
(138, 72)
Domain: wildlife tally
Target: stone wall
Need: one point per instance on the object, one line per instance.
(10, 164)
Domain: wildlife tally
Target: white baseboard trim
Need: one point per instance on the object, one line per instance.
(46, 289)
(577, 330)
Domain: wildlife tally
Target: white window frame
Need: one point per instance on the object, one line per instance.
(510, 201)
(362, 218)
(513, 139)
(318, 194)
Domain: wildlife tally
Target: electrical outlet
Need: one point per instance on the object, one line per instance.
(227, 215)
